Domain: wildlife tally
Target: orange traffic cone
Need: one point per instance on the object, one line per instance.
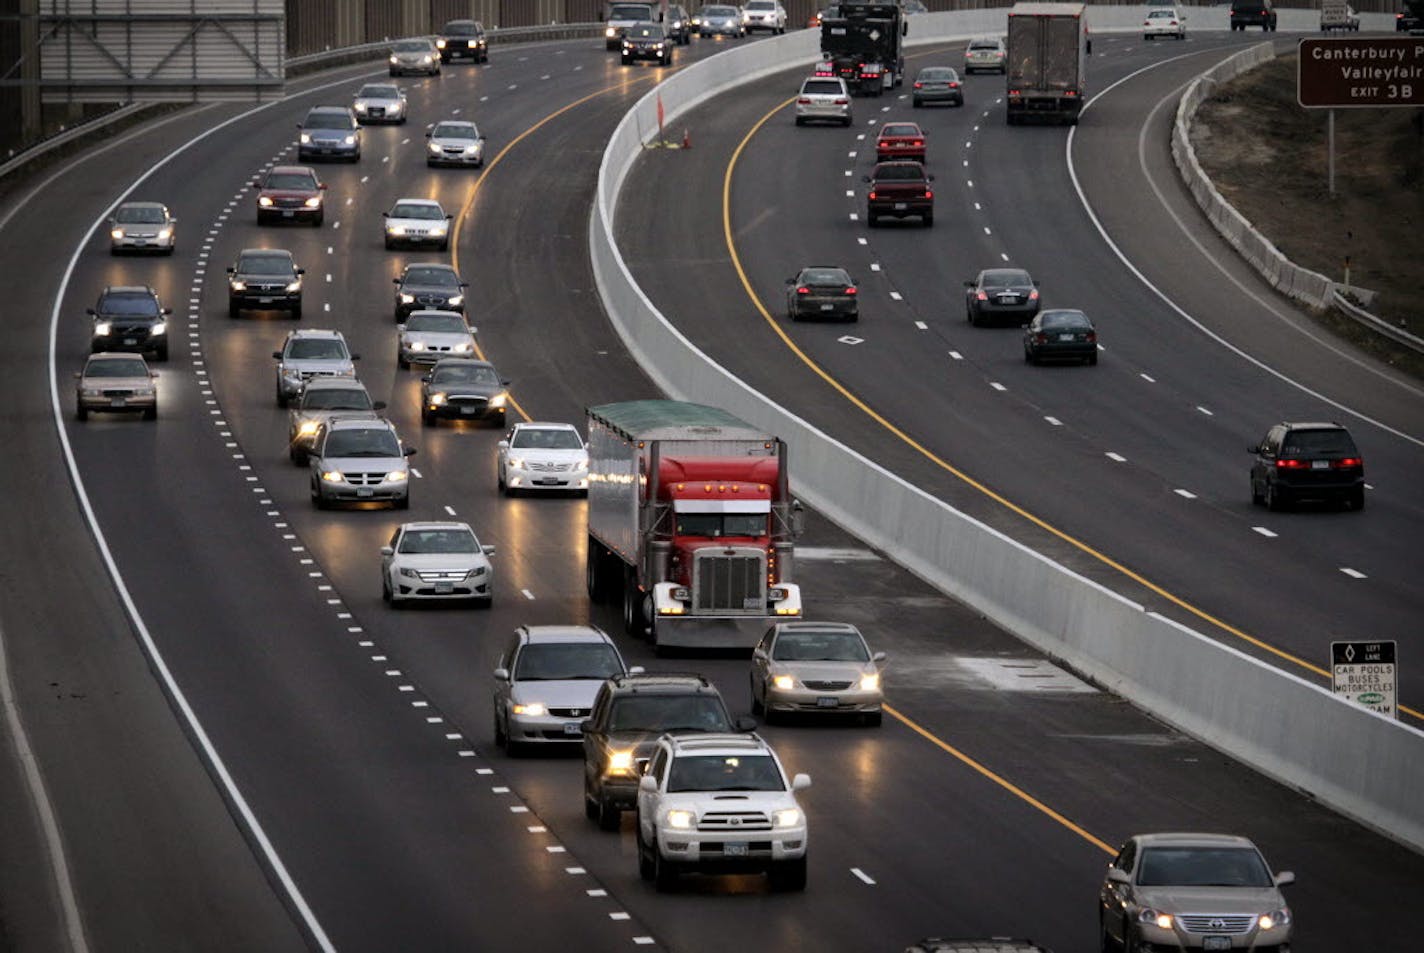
(686, 139)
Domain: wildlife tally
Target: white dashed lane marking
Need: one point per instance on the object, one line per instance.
(1054, 421)
(922, 326)
(895, 296)
(1117, 457)
(956, 355)
(1352, 573)
(1147, 377)
(1264, 532)
(1185, 494)
(863, 876)
(997, 386)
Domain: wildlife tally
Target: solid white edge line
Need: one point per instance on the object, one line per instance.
(156, 660)
(1262, 365)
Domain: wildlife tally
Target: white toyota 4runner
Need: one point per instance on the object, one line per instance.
(720, 803)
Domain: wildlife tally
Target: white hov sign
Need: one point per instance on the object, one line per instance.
(1364, 673)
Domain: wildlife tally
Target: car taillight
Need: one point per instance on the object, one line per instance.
(842, 102)
(1349, 462)
(1014, 94)
(1092, 337)
(803, 101)
(1070, 92)
(953, 85)
(1291, 464)
(929, 194)
(1173, 23)
(918, 142)
(1040, 338)
(850, 291)
(803, 290)
(981, 296)
(1033, 295)
(919, 85)
(871, 196)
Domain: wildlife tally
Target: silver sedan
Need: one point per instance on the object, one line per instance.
(455, 142)
(143, 226)
(380, 102)
(816, 667)
(427, 336)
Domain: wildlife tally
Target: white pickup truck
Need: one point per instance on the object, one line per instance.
(618, 17)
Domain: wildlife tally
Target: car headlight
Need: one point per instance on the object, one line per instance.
(264, 201)
(498, 400)
(435, 147)
(396, 476)
(395, 229)
(361, 107)
(516, 463)
(783, 682)
(426, 60)
(870, 682)
(1276, 918)
(117, 233)
(307, 428)
(473, 150)
(164, 234)
(236, 285)
(149, 391)
(415, 345)
(91, 391)
(788, 817)
(436, 400)
(313, 202)
(455, 300)
(394, 60)
(160, 327)
(463, 348)
(103, 328)
(438, 230)
(681, 820)
(332, 476)
(477, 571)
(294, 285)
(611, 31)
(620, 762)
(532, 709)
(1155, 917)
(657, 46)
(440, 44)
(409, 573)
(306, 139)
(349, 140)
(407, 298)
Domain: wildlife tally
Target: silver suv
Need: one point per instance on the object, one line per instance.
(359, 461)
(311, 353)
(720, 803)
(324, 398)
(824, 99)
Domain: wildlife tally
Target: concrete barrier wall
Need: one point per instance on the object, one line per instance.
(1364, 765)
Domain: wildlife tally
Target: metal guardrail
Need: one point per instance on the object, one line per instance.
(1375, 323)
(79, 131)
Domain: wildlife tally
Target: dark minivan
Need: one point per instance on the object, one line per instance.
(1307, 461)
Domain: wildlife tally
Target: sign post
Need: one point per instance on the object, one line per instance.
(1364, 673)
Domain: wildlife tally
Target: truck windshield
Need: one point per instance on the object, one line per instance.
(721, 524)
(724, 773)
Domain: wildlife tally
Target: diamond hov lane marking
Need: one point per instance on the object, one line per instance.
(850, 339)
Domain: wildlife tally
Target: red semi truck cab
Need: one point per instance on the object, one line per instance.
(691, 525)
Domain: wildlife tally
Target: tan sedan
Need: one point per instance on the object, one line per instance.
(119, 383)
(817, 667)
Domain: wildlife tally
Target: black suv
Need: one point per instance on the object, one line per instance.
(429, 286)
(1261, 13)
(129, 318)
(463, 38)
(629, 714)
(646, 41)
(264, 279)
(1307, 461)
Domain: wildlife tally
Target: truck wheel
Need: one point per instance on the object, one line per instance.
(632, 607)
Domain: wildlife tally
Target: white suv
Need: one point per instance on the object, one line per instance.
(720, 803)
(764, 15)
(823, 98)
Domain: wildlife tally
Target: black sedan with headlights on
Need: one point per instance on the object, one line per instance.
(822, 291)
(460, 388)
(429, 286)
(1001, 295)
(1060, 334)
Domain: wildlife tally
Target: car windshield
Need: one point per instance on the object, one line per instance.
(455, 130)
(629, 11)
(445, 540)
(1003, 278)
(1202, 867)
(353, 398)
(264, 265)
(760, 5)
(822, 86)
(417, 210)
(991, 45)
(819, 647)
(379, 92)
(316, 349)
(1161, 14)
(451, 323)
(1305, 443)
(721, 524)
(291, 180)
(719, 11)
(474, 374)
(900, 129)
(825, 276)
(937, 75)
(412, 46)
(329, 120)
(723, 772)
(117, 367)
(557, 661)
(365, 442)
(546, 438)
(645, 30)
(129, 305)
(899, 172)
(461, 28)
(1063, 319)
(668, 713)
(432, 277)
(140, 215)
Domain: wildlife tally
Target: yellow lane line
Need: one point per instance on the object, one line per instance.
(955, 471)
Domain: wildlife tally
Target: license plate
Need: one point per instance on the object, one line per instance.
(365, 493)
(117, 402)
(900, 206)
(140, 243)
(826, 701)
(1065, 337)
(1216, 943)
(467, 410)
(444, 588)
(828, 307)
(264, 300)
(130, 342)
(572, 728)
(549, 481)
(1320, 464)
(735, 850)
(288, 213)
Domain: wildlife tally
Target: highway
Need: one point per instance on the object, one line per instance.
(359, 740)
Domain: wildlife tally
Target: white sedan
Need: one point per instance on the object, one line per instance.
(437, 561)
(541, 456)
(380, 102)
(427, 336)
(1164, 21)
(417, 222)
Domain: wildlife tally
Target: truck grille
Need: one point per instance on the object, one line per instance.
(366, 479)
(1216, 923)
(734, 821)
(735, 583)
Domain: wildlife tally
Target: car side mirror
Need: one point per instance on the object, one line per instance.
(425, 379)
(257, 185)
(1254, 448)
(378, 405)
(969, 284)
(231, 270)
(636, 670)
(276, 354)
(299, 125)
(88, 310)
(167, 311)
(355, 357)
(409, 451)
(878, 657)
(930, 177)
(395, 281)
(1285, 878)
(504, 382)
(388, 551)
(385, 215)
(801, 782)
(648, 783)
(586, 726)
(153, 375)
(746, 723)
(464, 284)
(503, 445)
(448, 216)
(78, 375)
(865, 178)
(427, 135)
(322, 186)
(400, 328)
(1117, 875)
(301, 271)
(482, 138)
(501, 675)
(487, 549)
